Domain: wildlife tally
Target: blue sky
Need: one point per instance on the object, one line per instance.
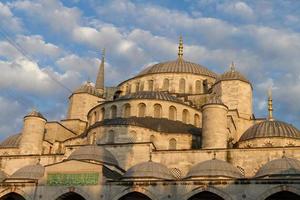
(65, 38)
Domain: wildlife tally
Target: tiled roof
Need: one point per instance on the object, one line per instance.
(156, 124)
(11, 141)
(29, 172)
(232, 75)
(151, 95)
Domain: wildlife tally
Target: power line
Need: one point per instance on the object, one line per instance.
(26, 55)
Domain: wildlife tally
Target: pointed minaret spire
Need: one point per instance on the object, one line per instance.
(100, 76)
(270, 105)
(180, 48)
(232, 66)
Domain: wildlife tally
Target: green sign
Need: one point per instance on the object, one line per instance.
(73, 179)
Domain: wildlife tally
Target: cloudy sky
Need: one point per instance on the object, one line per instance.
(62, 40)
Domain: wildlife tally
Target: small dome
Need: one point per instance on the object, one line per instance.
(149, 169)
(151, 95)
(178, 66)
(35, 113)
(270, 128)
(29, 172)
(214, 168)
(280, 167)
(93, 152)
(88, 88)
(232, 75)
(11, 141)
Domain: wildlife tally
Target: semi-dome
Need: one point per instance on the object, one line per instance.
(214, 168)
(88, 88)
(280, 167)
(149, 169)
(93, 152)
(151, 95)
(178, 66)
(29, 172)
(270, 128)
(11, 141)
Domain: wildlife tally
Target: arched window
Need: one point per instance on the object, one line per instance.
(166, 84)
(196, 120)
(126, 110)
(142, 86)
(111, 137)
(102, 114)
(182, 85)
(172, 113)
(113, 111)
(185, 116)
(198, 86)
(134, 195)
(141, 110)
(172, 144)
(132, 136)
(150, 85)
(12, 196)
(137, 87)
(157, 111)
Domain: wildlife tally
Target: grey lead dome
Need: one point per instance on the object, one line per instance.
(178, 66)
(29, 172)
(87, 88)
(93, 152)
(149, 170)
(280, 167)
(214, 168)
(270, 129)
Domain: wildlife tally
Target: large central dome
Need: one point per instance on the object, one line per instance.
(178, 66)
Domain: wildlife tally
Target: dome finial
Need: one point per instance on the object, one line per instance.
(270, 105)
(232, 66)
(180, 47)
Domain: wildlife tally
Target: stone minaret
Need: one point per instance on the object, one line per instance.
(100, 76)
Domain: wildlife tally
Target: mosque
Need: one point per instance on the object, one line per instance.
(175, 131)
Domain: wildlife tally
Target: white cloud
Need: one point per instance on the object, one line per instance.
(8, 20)
(33, 45)
(239, 9)
(54, 13)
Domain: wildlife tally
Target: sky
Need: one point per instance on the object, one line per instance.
(50, 47)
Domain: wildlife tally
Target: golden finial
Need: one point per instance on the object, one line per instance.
(270, 105)
(232, 66)
(180, 48)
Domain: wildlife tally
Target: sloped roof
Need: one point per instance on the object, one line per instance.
(12, 141)
(29, 172)
(156, 124)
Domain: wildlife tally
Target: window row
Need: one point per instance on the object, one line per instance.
(199, 86)
(142, 111)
